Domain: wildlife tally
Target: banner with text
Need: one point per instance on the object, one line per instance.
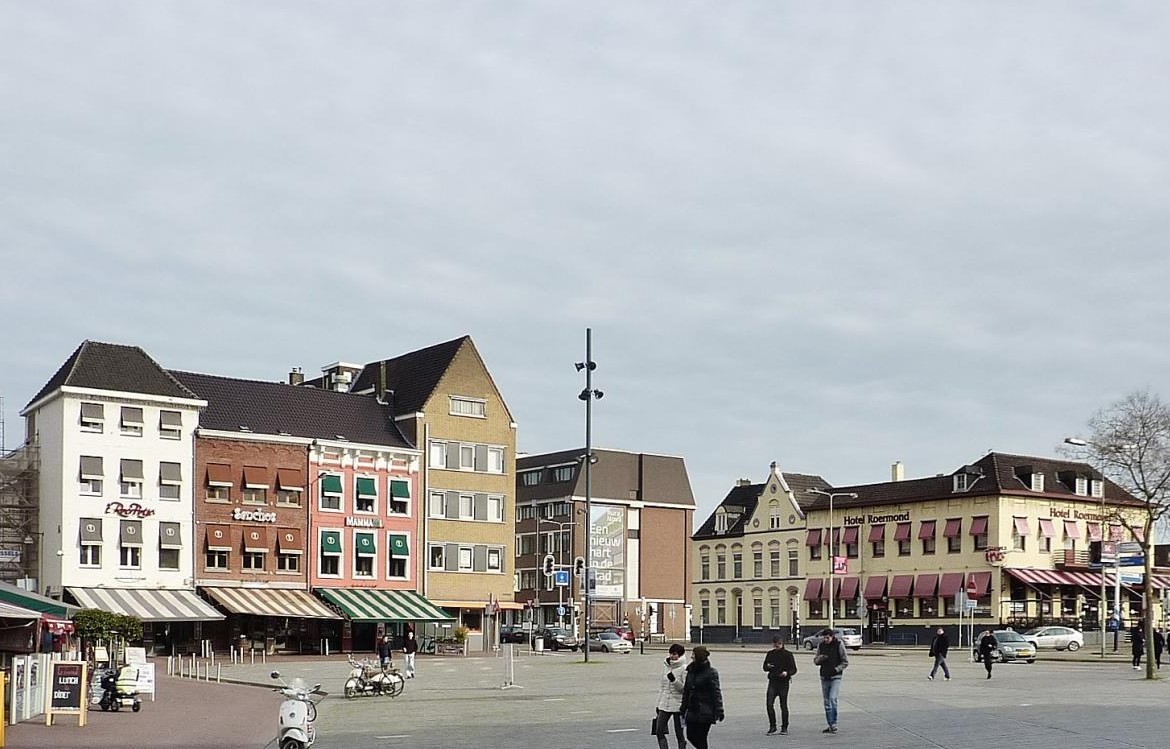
(607, 550)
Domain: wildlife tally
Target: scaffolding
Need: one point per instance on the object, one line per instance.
(20, 537)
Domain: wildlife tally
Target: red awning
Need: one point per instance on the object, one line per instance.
(812, 589)
(875, 588)
(1071, 530)
(1114, 532)
(849, 587)
(836, 583)
(1094, 531)
(1046, 529)
(950, 584)
(877, 533)
(954, 528)
(1022, 526)
(926, 530)
(902, 532)
(901, 585)
(850, 536)
(982, 582)
(836, 536)
(979, 526)
(814, 538)
(926, 586)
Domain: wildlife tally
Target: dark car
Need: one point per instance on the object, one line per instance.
(513, 633)
(557, 638)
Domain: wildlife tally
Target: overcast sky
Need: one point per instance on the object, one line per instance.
(833, 235)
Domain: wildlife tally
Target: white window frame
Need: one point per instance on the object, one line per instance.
(169, 433)
(90, 487)
(135, 554)
(282, 496)
(406, 559)
(442, 563)
(531, 478)
(466, 456)
(248, 497)
(391, 500)
(337, 555)
(176, 553)
(495, 460)
(961, 482)
(93, 426)
(437, 454)
(1097, 488)
(90, 556)
(374, 507)
(470, 508)
(129, 489)
(130, 429)
(227, 490)
(175, 489)
(1082, 486)
(473, 408)
(282, 563)
(322, 494)
(495, 508)
(499, 555)
(441, 498)
(250, 557)
(469, 552)
(216, 554)
(1037, 482)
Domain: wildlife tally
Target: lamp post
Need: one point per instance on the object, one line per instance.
(588, 395)
(832, 542)
(560, 561)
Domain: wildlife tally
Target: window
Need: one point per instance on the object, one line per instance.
(564, 473)
(363, 566)
(525, 545)
(904, 547)
(253, 560)
(330, 492)
(773, 514)
(466, 457)
(366, 494)
(1097, 488)
(131, 421)
(721, 521)
(93, 417)
(1046, 544)
(130, 485)
(928, 545)
(218, 494)
(720, 608)
(737, 565)
(91, 487)
(399, 497)
(467, 407)
(1082, 485)
(329, 559)
(814, 552)
(436, 504)
(216, 560)
(466, 506)
(170, 425)
(254, 496)
(961, 482)
(816, 609)
(495, 560)
(705, 610)
(437, 558)
(954, 544)
(526, 512)
(91, 555)
(1037, 482)
(528, 580)
(168, 559)
(774, 562)
(852, 549)
(495, 456)
(878, 549)
(131, 557)
(288, 562)
(774, 607)
(720, 565)
(170, 480)
(466, 554)
(705, 567)
(531, 478)
(757, 612)
(758, 563)
(91, 476)
(438, 453)
(496, 509)
(288, 498)
(793, 563)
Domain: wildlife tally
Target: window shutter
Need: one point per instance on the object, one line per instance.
(481, 507)
(451, 557)
(481, 458)
(451, 507)
(479, 559)
(453, 455)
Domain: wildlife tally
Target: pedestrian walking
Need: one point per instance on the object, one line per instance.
(1159, 646)
(702, 697)
(833, 661)
(409, 648)
(988, 646)
(1137, 638)
(385, 651)
(780, 666)
(670, 696)
(938, 650)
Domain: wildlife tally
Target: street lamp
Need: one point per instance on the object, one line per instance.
(832, 544)
(588, 395)
(561, 563)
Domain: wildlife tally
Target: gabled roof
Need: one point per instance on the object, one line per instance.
(413, 376)
(996, 474)
(617, 473)
(744, 498)
(111, 366)
(274, 408)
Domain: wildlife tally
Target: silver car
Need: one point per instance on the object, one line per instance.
(849, 636)
(1061, 638)
(1011, 647)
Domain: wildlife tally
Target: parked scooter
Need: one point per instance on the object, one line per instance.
(366, 680)
(295, 729)
(120, 689)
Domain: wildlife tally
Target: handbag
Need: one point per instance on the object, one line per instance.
(654, 726)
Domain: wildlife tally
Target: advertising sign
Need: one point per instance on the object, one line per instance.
(607, 550)
(66, 691)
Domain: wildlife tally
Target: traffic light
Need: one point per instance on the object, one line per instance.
(549, 564)
(579, 567)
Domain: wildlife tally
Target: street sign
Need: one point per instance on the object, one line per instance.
(972, 589)
(840, 565)
(560, 610)
(561, 577)
(970, 604)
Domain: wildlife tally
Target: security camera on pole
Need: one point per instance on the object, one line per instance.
(588, 395)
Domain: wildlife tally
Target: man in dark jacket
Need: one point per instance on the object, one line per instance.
(938, 650)
(780, 667)
(988, 647)
(702, 699)
(833, 661)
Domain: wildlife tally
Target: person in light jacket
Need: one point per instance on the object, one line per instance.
(702, 697)
(670, 692)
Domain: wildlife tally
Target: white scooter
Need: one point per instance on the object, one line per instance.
(297, 713)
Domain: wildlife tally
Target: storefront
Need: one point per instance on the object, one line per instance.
(172, 619)
(270, 619)
(370, 613)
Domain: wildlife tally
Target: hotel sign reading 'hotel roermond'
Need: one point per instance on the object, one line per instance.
(872, 519)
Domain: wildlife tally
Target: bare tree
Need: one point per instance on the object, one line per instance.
(1130, 445)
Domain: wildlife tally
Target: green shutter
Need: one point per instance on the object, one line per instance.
(364, 542)
(399, 489)
(398, 546)
(331, 484)
(331, 542)
(366, 488)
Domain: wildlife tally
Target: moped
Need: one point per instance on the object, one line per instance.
(295, 729)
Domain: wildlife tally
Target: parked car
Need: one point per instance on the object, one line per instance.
(623, 632)
(557, 638)
(1012, 647)
(513, 633)
(851, 637)
(609, 642)
(1061, 638)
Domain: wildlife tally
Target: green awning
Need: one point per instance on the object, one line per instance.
(365, 605)
(365, 544)
(331, 542)
(19, 597)
(398, 546)
(331, 483)
(399, 489)
(366, 487)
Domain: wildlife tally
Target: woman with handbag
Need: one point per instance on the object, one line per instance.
(670, 694)
(702, 699)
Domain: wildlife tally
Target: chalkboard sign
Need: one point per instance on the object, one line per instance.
(67, 686)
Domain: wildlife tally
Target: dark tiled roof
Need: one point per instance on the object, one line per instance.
(413, 377)
(747, 497)
(277, 408)
(112, 366)
(996, 476)
(655, 478)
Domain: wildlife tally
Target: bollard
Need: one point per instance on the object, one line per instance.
(217, 673)
(641, 647)
(191, 673)
(170, 666)
(253, 654)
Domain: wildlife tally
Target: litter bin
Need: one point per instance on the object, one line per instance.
(538, 644)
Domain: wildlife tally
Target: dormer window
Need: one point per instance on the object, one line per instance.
(721, 523)
(1037, 482)
(1097, 488)
(1082, 486)
(961, 482)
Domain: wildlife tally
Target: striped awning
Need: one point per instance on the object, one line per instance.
(148, 604)
(1090, 580)
(364, 605)
(270, 602)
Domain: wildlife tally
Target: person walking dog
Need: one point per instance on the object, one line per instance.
(780, 667)
(938, 650)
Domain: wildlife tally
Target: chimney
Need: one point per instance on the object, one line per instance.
(897, 471)
(743, 482)
(296, 376)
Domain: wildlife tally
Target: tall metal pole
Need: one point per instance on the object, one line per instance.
(832, 542)
(588, 486)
